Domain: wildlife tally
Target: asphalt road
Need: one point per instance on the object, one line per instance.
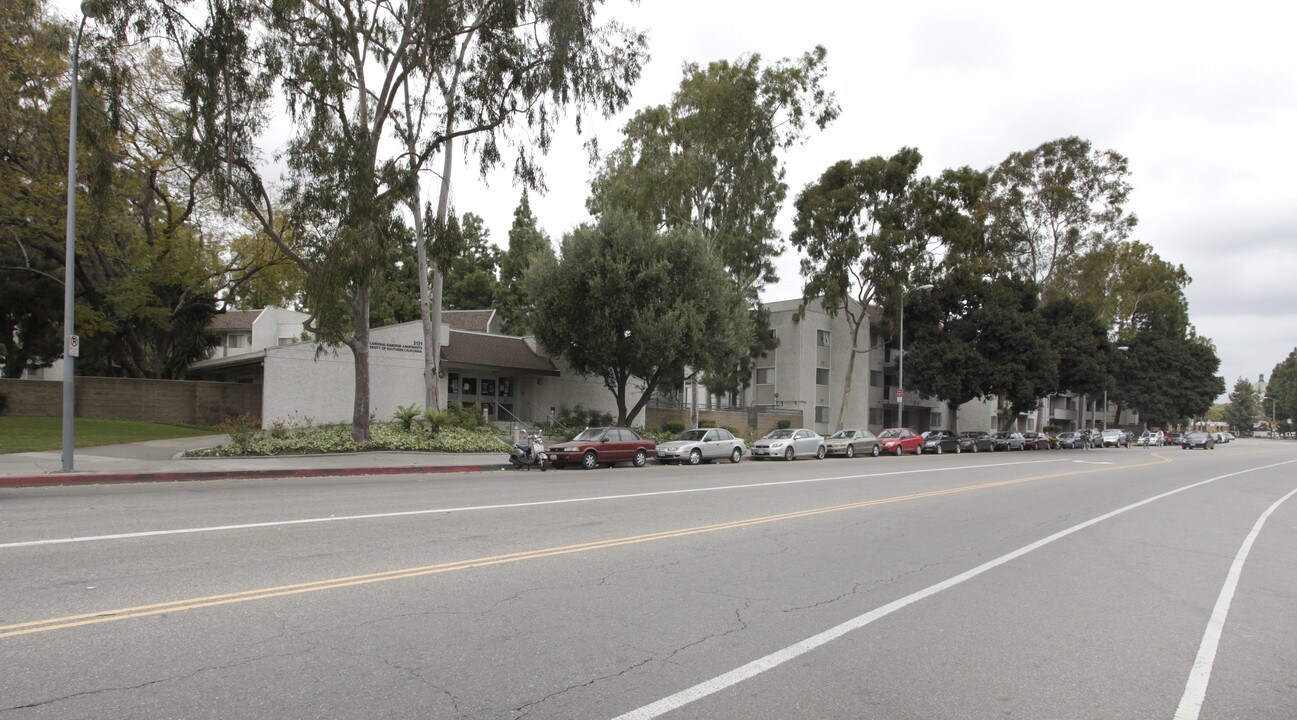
(1065, 584)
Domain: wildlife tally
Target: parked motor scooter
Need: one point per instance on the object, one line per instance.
(529, 453)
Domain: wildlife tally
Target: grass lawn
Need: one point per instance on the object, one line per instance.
(27, 434)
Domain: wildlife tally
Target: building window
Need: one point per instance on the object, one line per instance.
(821, 376)
(235, 341)
(936, 420)
(821, 413)
(822, 338)
(875, 416)
(286, 341)
(765, 376)
(875, 378)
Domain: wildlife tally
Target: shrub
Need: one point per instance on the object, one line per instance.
(434, 420)
(673, 426)
(707, 423)
(242, 429)
(784, 424)
(463, 417)
(581, 417)
(405, 414)
(278, 430)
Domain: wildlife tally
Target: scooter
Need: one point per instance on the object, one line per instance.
(529, 453)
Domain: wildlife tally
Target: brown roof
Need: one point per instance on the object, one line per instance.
(235, 320)
(495, 350)
(470, 320)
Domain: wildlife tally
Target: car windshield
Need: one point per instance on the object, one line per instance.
(779, 435)
(589, 434)
(843, 434)
(890, 433)
(1004, 435)
(692, 435)
(970, 434)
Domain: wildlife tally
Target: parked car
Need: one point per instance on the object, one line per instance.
(850, 443)
(1035, 441)
(901, 440)
(1009, 441)
(1197, 438)
(1173, 438)
(1071, 440)
(702, 444)
(603, 446)
(789, 444)
(1114, 438)
(942, 441)
(976, 441)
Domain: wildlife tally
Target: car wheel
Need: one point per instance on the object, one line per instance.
(641, 458)
(589, 461)
(695, 456)
(898, 450)
(876, 451)
(975, 446)
(918, 449)
(959, 449)
(736, 456)
(939, 450)
(820, 452)
(851, 451)
(788, 454)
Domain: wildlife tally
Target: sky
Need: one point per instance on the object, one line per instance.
(1202, 101)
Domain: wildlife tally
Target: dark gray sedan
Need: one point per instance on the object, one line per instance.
(1009, 441)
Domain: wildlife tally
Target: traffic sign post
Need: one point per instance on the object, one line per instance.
(74, 346)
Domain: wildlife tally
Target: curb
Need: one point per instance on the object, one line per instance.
(185, 476)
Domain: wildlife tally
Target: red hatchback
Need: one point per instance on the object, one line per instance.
(901, 440)
(603, 446)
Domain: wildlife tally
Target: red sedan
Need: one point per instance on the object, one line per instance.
(603, 446)
(901, 440)
(1035, 441)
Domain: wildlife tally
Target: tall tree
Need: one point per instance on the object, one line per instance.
(526, 241)
(1243, 409)
(1167, 376)
(711, 160)
(469, 262)
(1052, 205)
(1282, 389)
(853, 227)
(1130, 287)
(683, 312)
(496, 66)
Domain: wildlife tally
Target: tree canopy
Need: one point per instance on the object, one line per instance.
(635, 306)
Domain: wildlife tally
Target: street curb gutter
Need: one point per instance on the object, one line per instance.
(184, 476)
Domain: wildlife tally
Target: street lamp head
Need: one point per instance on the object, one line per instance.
(93, 8)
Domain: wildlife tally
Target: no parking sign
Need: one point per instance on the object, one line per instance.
(74, 346)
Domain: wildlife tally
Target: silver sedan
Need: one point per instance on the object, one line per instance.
(788, 444)
(695, 446)
(850, 443)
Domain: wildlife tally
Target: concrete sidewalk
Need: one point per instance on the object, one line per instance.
(160, 461)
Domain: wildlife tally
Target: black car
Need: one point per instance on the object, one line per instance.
(976, 441)
(1191, 440)
(942, 441)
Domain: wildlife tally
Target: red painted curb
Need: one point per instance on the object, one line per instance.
(184, 476)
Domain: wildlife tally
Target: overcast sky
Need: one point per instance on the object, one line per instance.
(1201, 99)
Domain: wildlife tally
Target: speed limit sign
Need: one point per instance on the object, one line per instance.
(74, 346)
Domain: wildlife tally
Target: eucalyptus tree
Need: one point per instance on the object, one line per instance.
(498, 66)
(854, 227)
(712, 160)
(1053, 204)
(1130, 287)
(683, 312)
(353, 76)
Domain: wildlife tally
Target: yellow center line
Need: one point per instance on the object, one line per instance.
(138, 611)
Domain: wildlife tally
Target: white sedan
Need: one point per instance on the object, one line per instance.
(789, 443)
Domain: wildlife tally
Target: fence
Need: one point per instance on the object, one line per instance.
(185, 402)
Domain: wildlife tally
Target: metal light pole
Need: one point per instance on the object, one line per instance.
(900, 381)
(89, 9)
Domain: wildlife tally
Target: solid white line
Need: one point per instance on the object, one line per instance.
(504, 506)
(756, 667)
(1195, 689)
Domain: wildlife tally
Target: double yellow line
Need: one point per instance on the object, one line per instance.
(139, 611)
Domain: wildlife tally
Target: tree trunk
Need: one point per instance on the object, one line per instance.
(360, 349)
(954, 416)
(851, 371)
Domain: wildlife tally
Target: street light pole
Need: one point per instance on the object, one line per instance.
(89, 9)
(900, 381)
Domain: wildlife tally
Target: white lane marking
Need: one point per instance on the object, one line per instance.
(779, 657)
(1091, 462)
(503, 506)
(1195, 689)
